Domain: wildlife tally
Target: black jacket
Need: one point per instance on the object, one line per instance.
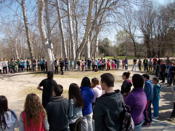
(107, 112)
(57, 111)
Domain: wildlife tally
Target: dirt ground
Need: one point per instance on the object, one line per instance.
(16, 86)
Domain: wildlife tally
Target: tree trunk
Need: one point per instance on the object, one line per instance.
(45, 32)
(25, 20)
(72, 47)
(64, 49)
(87, 29)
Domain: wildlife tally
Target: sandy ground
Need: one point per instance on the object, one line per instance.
(16, 86)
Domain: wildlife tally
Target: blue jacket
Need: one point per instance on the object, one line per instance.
(87, 95)
(156, 92)
(148, 88)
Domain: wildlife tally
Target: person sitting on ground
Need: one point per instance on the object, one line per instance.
(156, 97)
(8, 119)
(34, 117)
(57, 111)
(148, 88)
(47, 85)
(75, 106)
(127, 84)
(136, 101)
(96, 87)
(108, 107)
(88, 96)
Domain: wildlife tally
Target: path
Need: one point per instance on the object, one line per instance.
(160, 126)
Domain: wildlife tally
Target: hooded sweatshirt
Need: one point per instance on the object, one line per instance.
(107, 112)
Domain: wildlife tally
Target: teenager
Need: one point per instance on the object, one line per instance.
(108, 65)
(148, 88)
(88, 96)
(134, 65)
(156, 97)
(56, 63)
(150, 65)
(8, 119)
(162, 71)
(57, 111)
(137, 107)
(34, 117)
(75, 106)
(96, 87)
(126, 63)
(46, 86)
(61, 66)
(108, 107)
(140, 64)
(66, 63)
(127, 84)
(83, 65)
(145, 64)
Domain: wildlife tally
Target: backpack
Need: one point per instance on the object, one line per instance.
(127, 121)
(78, 124)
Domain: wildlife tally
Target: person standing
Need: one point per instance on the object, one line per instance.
(8, 119)
(108, 107)
(140, 64)
(148, 88)
(56, 66)
(162, 71)
(136, 101)
(156, 97)
(145, 64)
(34, 117)
(66, 63)
(75, 106)
(96, 87)
(88, 96)
(127, 84)
(150, 65)
(57, 111)
(46, 86)
(61, 66)
(134, 65)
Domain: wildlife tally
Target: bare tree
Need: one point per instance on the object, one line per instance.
(45, 32)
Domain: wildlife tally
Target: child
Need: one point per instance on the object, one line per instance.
(148, 88)
(34, 117)
(156, 97)
(75, 106)
(95, 84)
(57, 110)
(8, 119)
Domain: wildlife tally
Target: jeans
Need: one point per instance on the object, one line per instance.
(88, 123)
(147, 113)
(156, 107)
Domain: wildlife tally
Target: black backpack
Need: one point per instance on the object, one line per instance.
(127, 121)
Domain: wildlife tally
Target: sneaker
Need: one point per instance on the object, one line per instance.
(155, 118)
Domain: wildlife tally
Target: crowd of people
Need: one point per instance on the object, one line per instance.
(93, 106)
(60, 65)
(164, 69)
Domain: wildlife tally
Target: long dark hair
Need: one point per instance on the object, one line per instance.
(3, 109)
(86, 82)
(74, 93)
